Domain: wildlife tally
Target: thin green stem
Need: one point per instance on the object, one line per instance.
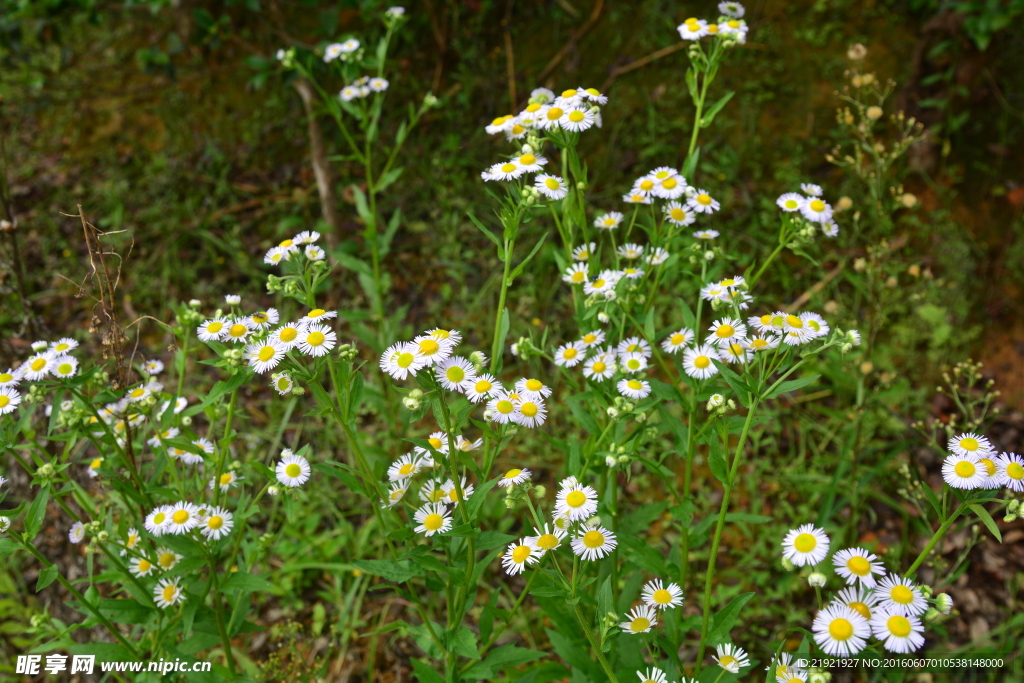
(935, 539)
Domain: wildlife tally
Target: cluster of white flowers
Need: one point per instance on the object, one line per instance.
(730, 25)
(668, 184)
(811, 206)
(972, 463)
(575, 110)
(302, 244)
(48, 359)
(363, 87)
(877, 603)
(344, 50)
(630, 358)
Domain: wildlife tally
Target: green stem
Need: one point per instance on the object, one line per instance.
(218, 612)
(935, 539)
(222, 455)
(496, 349)
(593, 643)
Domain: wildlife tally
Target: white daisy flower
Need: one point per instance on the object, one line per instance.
(816, 210)
(734, 27)
(577, 119)
(217, 523)
(401, 360)
(77, 532)
(970, 444)
(810, 189)
(693, 29)
(533, 386)
(570, 355)
(395, 494)
(898, 595)
(634, 388)
(599, 368)
(659, 596)
(551, 186)
(11, 378)
(584, 251)
(9, 399)
(594, 542)
(726, 330)
(963, 471)
(168, 593)
(548, 538)
(631, 251)
(805, 545)
(514, 477)
(658, 256)
(697, 362)
(1009, 471)
(592, 339)
(184, 517)
(157, 521)
(816, 324)
(632, 273)
(265, 356)
(228, 480)
(405, 467)
(167, 558)
(378, 84)
(637, 197)
(731, 9)
(530, 412)
(452, 494)
(861, 600)
(508, 170)
(500, 124)
(501, 408)
(157, 440)
(131, 541)
(484, 387)
(706, 234)
(632, 361)
(576, 274)
(153, 367)
(282, 383)
(532, 163)
(634, 345)
(455, 373)
(702, 202)
(653, 675)
(678, 214)
(858, 565)
(317, 340)
(140, 566)
(608, 221)
(293, 470)
(518, 555)
(431, 349)
(36, 367)
(275, 255)
(579, 502)
(829, 228)
(790, 201)
(433, 518)
(605, 281)
(840, 631)
(593, 94)
(898, 633)
(677, 341)
(640, 620)
(672, 187)
(731, 658)
(735, 352)
(63, 346)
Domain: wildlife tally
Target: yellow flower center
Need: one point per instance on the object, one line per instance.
(814, 325)
(990, 467)
(704, 199)
(158, 518)
(482, 386)
(576, 499)
(169, 593)
(292, 470)
(593, 539)
(520, 554)
(677, 339)
(1015, 471)
(498, 121)
(316, 313)
(969, 444)
(511, 474)
(725, 331)
(547, 542)
(180, 516)
(569, 93)
(552, 184)
(455, 374)
(529, 409)
(570, 353)
(662, 596)
(517, 129)
(38, 364)
(315, 338)
(712, 28)
(840, 629)
(5, 377)
(504, 406)
(861, 609)
(288, 334)
(792, 204)
(238, 330)
(701, 362)
(226, 478)
(508, 168)
(532, 108)
(902, 595)
(600, 367)
(64, 369)
(589, 338)
(260, 318)
(732, 23)
(965, 469)
(137, 392)
(794, 321)
(858, 565)
(635, 385)
(677, 214)
(817, 205)
(639, 625)
(576, 116)
(633, 364)
(647, 185)
(669, 183)
(435, 442)
(898, 626)
(433, 522)
(554, 114)
(61, 347)
(429, 347)
(578, 276)
(527, 159)
(405, 360)
(215, 522)
(727, 661)
(266, 353)
(215, 327)
(407, 469)
(95, 464)
(144, 566)
(599, 282)
(805, 543)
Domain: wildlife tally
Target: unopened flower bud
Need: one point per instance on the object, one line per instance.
(709, 255)
(818, 676)
(194, 303)
(943, 603)
(715, 401)
(612, 412)
(816, 580)
(874, 113)
(45, 471)
(540, 491)
(187, 420)
(610, 461)
(102, 536)
(1013, 506)
(273, 491)
(787, 565)
(603, 318)
(5, 524)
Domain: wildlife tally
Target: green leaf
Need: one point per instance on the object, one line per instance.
(735, 382)
(690, 165)
(604, 597)
(747, 517)
(349, 262)
(388, 569)
(793, 385)
(463, 642)
(355, 397)
(505, 656)
(713, 110)
(389, 177)
(424, 672)
(725, 618)
(46, 577)
(716, 460)
(247, 582)
(223, 387)
(641, 518)
(478, 497)
(362, 206)
(490, 235)
(36, 513)
(582, 415)
(987, 520)
(502, 334)
(691, 85)
(519, 269)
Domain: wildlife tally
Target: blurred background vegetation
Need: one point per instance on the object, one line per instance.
(169, 120)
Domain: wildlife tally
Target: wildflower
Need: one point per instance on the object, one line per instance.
(731, 658)
(943, 603)
(94, 465)
(859, 599)
(677, 214)
(548, 538)
(790, 202)
(652, 675)
(64, 345)
(452, 493)
(811, 189)
(455, 373)
(655, 594)
(817, 325)
(735, 352)
(697, 362)
(576, 274)
(508, 170)
(829, 228)
(658, 256)
(636, 198)
(840, 631)
(157, 521)
(501, 407)
(518, 555)
(599, 368)
(167, 593)
(293, 470)
(702, 202)
(395, 495)
(970, 444)
(530, 412)
(36, 367)
(167, 558)
(693, 29)
(640, 620)
(634, 388)
(577, 119)
(183, 517)
(140, 566)
(63, 366)
(9, 399)
(317, 315)
(897, 632)
(485, 386)
(569, 355)
(591, 339)
(402, 360)
(551, 186)
(1010, 471)
(594, 543)
(77, 532)
(806, 545)
(578, 501)
(217, 524)
(405, 467)
(608, 221)
(731, 9)
(858, 565)
(282, 383)
(227, 481)
(898, 595)
(963, 472)
(431, 349)
(131, 541)
(465, 445)
(515, 477)
(706, 234)
(816, 210)
(9, 378)
(317, 340)
(378, 84)
(433, 518)
(584, 251)
(727, 330)
(265, 356)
